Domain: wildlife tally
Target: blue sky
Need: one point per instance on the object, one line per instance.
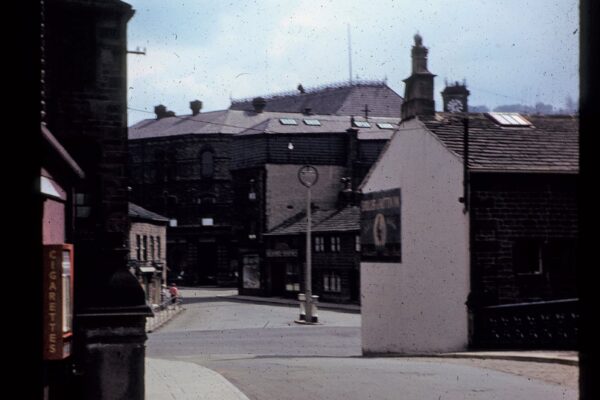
(509, 51)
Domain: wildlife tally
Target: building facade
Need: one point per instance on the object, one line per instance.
(84, 107)
(335, 256)
(485, 253)
(147, 251)
(223, 177)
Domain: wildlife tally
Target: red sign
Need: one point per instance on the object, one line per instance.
(58, 301)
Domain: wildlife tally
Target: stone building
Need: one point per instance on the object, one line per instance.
(84, 107)
(220, 176)
(147, 250)
(469, 223)
(335, 255)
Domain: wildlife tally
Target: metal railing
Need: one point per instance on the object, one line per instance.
(163, 312)
(539, 325)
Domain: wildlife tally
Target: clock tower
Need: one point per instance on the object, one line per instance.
(455, 97)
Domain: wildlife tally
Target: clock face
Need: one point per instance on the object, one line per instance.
(455, 105)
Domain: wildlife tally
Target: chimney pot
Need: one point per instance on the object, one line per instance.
(160, 111)
(195, 106)
(259, 104)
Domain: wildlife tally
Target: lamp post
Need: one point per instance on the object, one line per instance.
(308, 176)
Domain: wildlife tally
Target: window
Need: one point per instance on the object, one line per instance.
(332, 282)
(335, 243)
(145, 247)
(138, 247)
(357, 242)
(312, 122)
(362, 124)
(152, 248)
(385, 125)
(509, 119)
(527, 256)
(83, 208)
(207, 163)
(292, 277)
(208, 222)
(319, 244)
(158, 250)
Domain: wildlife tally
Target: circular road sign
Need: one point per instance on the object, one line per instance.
(308, 175)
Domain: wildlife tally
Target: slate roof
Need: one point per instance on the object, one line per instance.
(550, 144)
(138, 212)
(337, 99)
(235, 122)
(346, 219)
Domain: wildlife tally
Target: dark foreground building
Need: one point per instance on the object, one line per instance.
(98, 303)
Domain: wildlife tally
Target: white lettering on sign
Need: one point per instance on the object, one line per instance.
(380, 204)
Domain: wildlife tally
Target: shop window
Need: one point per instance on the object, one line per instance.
(292, 277)
(332, 282)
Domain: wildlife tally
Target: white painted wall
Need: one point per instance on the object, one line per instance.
(284, 189)
(417, 306)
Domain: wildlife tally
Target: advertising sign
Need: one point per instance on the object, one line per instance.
(380, 226)
(58, 301)
(251, 271)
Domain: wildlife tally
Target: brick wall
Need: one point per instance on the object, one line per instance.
(508, 209)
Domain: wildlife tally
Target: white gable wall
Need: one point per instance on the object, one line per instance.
(417, 306)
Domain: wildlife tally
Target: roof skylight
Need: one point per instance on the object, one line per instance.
(288, 121)
(509, 119)
(362, 124)
(312, 122)
(385, 125)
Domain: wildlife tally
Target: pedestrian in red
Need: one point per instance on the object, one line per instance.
(174, 291)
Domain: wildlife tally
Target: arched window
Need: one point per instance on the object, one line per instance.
(207, 163)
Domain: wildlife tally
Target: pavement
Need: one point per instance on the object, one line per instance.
(178, 380)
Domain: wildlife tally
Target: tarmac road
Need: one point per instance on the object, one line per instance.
(258, 349)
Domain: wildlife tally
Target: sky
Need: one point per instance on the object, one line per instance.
(508, 51)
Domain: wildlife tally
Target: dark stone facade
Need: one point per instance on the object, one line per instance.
(524, 232)
(335, 273)
(86, 109)
(187, 179)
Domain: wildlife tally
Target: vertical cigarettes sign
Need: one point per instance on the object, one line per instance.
(58, 304)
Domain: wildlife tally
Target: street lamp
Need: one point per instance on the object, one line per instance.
(308, 176)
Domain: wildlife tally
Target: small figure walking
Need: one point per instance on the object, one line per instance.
(164, 294)
(174, 291)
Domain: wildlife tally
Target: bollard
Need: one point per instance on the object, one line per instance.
(302, 300)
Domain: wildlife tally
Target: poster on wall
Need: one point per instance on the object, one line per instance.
(251, 272)
(380, 226)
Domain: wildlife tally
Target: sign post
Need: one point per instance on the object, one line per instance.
(308, 176)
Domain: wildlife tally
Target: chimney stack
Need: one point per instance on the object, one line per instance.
(195, 106)
(161, 111)
(418, 93)
(259, 104)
